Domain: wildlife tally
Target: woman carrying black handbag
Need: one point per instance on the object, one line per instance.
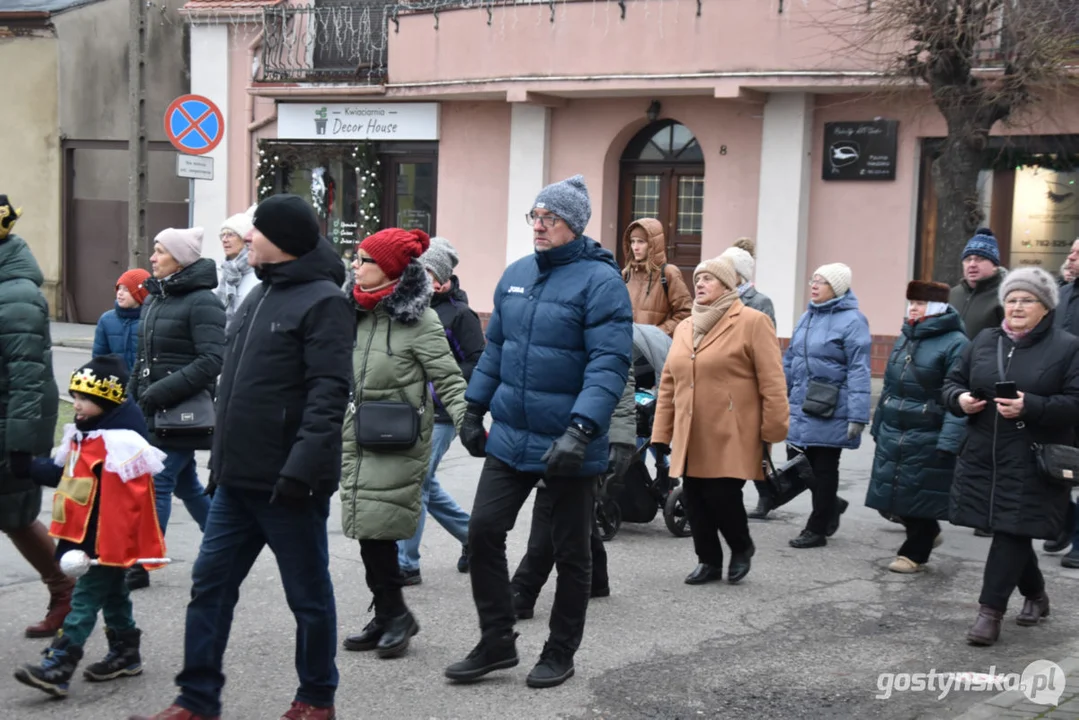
(401, 361)
(180, 352)
(917, 439)
(1018, 387)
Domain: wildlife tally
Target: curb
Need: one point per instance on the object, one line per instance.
(1014, 704)
(75, 343)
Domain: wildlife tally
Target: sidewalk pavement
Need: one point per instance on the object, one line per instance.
(72, 335)
(1014, 705)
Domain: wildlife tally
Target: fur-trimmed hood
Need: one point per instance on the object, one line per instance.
(408, 301)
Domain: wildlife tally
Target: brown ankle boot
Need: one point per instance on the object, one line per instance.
(1034, 609)
(986, 627)
(34, 543)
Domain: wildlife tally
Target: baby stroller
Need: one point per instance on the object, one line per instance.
(636, 496)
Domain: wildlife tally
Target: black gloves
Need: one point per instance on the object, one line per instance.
(566, 455)
(289, 492)
(473, 435)
(661, 448)
(19, 464)
(149, 402)
(619, 458)
(211, 488)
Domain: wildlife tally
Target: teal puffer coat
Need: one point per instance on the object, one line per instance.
(917, 438)
(28, 393)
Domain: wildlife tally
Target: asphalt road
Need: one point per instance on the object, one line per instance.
(805, 636)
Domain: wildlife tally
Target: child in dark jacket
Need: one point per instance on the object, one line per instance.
(118, 329)
(103, 506)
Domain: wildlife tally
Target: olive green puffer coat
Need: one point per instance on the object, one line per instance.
(400, 347)
(28, 394)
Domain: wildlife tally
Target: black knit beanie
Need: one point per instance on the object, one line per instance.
(288, 222)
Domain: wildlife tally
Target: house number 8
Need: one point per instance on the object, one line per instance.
(722, 149)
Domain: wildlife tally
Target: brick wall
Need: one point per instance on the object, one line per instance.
(879, 353)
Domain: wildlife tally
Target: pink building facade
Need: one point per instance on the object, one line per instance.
(724, 119)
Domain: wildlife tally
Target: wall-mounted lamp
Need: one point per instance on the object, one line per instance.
(653, 111)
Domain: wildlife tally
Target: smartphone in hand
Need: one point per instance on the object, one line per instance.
(1007, 390)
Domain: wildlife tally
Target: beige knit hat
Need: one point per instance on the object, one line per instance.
(742, 261)
(1035, 281)
(721, 268)
(838, 276)
(184, 245)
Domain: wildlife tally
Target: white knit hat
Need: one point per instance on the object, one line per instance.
(838, 276)
(743, 262)
(240, 223)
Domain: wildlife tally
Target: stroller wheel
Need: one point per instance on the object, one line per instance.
(608, 519)
(674, 514)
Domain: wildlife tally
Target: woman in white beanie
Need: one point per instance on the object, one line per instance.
(828, 382)
(1017, 385)
(235, 276)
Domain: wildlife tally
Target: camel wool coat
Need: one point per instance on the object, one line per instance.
(718, 404)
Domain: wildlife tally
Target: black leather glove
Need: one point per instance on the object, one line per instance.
(565, 457)
(211, 488)
(473, 435)
(19, 464)
(289, 492)
(661, 448)
(149, 402)
(619, 458)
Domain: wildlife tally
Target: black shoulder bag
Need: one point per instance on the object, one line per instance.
(1058, 463)
(387, 425)
(191, 417)
(788, 479)
(822, 397)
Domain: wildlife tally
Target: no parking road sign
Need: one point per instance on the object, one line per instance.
(194, 125)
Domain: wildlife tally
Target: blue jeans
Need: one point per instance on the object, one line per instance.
(436, 501)
(180, 478)
(241, 522)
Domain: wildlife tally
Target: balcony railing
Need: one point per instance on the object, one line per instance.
(329, 41)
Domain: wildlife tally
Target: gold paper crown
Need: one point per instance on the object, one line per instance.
(86, 382)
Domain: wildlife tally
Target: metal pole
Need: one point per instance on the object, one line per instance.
(191, 202)
(137, 148)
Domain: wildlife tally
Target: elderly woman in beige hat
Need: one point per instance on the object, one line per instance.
(721, 397)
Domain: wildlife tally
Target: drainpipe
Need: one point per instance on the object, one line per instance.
(249, 113)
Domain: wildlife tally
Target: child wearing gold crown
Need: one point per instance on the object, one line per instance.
(103, 505)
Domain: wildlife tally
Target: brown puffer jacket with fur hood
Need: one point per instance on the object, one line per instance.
(652, 303)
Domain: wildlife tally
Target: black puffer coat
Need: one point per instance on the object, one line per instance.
(181, 345)
(997, 485)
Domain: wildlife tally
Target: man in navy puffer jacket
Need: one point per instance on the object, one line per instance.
(559, 345)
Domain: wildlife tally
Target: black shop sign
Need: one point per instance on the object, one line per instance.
(860, 150)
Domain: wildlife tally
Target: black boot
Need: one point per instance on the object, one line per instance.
(122, 660)
(554, 668)
(704, 573)
(137, 577)
(808, 539)
(522, 607)
(395, 638)
(54, 673)
(765, 504)
(496, 652)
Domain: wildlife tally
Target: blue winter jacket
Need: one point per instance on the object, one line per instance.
(559, 344)
(118, 333)
(831, 343)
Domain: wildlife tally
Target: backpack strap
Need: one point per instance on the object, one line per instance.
(663, 279)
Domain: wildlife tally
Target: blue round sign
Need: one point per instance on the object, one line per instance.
(194, 125)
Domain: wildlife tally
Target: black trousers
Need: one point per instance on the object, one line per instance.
(501, 492)
(921, 532)
(825, 464)
(713, 507)
(1011, 564)
(536, 565)
(383, 576)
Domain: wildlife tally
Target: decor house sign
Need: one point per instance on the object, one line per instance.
(366, 121)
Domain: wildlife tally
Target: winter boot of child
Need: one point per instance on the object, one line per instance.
(122, 660)
(54, 673)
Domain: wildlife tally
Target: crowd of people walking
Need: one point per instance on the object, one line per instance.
(300, 390)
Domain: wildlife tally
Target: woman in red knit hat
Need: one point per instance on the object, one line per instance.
(401, 361)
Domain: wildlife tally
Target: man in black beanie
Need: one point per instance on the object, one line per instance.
(276, 458)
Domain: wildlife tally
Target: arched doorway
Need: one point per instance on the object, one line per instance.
(662, 176)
